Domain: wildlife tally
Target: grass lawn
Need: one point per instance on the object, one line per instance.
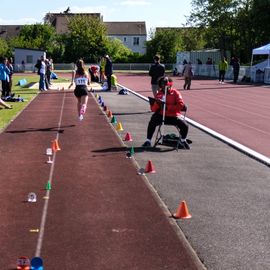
(27, 94)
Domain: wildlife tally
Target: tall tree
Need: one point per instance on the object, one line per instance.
(166, 42)
(37, 36)
(235, 25)
(260, 18)
(86, 39)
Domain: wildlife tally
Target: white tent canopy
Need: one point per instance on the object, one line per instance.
(260, 51)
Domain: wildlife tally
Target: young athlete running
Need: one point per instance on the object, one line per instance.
(81, 78)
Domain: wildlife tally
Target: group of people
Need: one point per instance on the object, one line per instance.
(167, 106)
(223, 66)
(44, 68)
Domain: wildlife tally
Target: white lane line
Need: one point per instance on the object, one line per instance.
(257, 156)
(46, 202)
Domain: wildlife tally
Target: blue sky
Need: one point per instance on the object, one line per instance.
(153, 12)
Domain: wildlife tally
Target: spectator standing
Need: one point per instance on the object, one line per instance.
(4, 76)
(188, 74)
(41, 71)
(102, 69)
(108, 71)
(23, 66)
(236, 69)
(42, 74)
(156, 71)
(11, 71)
(223, 66)
(209, 64)
(49, 69)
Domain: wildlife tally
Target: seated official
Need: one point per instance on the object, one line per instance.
(174, 106)
(93, 71)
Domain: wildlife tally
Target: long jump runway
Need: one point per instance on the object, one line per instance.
(98, 214)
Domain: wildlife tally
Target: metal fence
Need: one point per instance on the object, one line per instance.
(210, 71)
(116, 67)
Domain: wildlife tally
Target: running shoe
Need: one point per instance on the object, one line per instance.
(146, 144)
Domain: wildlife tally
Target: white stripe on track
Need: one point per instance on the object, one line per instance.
(257, 156)
(46, 202)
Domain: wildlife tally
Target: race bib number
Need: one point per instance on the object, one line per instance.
(81, 81)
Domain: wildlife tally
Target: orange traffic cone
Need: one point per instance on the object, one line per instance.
(55, 146)
(119, 127)
(128, 137)
(149, 167)
(109, 114)
(182, 211)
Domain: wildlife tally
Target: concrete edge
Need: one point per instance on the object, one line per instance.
(247, 151)
(192, 253)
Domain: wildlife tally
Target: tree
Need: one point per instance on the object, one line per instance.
(260, 17)
(234, 25)
(37, 36)
(218, 18)
(166, 42)
(86, 39)
(4, 49)
(118, 51)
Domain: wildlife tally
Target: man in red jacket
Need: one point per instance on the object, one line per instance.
(174, 106)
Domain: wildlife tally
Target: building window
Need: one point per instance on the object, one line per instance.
(29, 59)
(125, 39)
(136, 41)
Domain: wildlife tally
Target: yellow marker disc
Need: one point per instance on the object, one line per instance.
(34, 230)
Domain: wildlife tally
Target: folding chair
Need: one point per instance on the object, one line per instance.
(160, 134)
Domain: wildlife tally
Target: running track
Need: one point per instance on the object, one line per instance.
(90, 219)
(239, 112)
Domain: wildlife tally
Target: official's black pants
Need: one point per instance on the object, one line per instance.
(156, 120)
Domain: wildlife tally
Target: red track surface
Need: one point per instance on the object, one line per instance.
(100, 215)
(239, 112)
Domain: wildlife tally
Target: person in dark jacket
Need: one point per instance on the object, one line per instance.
(236, 69)
(108, 71)
(156, 71)
(174, 106)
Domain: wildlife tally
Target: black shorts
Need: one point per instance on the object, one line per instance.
(81, 90)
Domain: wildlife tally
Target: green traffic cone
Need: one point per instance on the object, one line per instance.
(48, 186)
(132, 151)
(113, 121)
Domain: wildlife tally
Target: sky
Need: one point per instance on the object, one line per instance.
(155, 13)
